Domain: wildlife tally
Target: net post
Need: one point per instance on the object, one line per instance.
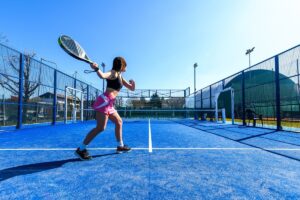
(21, 87)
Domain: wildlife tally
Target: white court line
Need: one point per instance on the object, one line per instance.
(150, 138)
(59, 149)
(153, 148)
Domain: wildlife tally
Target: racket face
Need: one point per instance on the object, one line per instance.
(73, 48)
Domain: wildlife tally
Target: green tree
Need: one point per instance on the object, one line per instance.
(155, 101)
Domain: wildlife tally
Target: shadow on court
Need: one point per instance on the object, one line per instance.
(282, 143)
(39, 167)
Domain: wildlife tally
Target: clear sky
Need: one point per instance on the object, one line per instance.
(160, 39)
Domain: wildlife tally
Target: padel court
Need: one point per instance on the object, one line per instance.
(171, 159)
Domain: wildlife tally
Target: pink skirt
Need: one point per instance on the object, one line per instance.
(105, 104)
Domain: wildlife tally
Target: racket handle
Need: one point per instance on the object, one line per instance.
(91, 71)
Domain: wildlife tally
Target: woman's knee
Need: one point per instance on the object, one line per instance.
(119, 122)
(100, 129)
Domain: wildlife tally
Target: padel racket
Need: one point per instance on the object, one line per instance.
(73, 48)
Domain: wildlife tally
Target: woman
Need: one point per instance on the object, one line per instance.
(105, 109)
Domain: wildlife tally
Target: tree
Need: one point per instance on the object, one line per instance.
(12, 85)
(155, 101)
(143, 102)
(3, 38)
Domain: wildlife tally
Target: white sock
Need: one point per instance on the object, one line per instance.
(82, 147)
(120, 143)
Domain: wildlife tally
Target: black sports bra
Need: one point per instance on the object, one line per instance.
(115, 84)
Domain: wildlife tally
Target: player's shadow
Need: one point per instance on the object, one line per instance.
(38, 167)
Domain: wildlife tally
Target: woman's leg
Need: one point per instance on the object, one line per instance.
(117, 120)
(115, 117)
(101, 119)
(81, 151)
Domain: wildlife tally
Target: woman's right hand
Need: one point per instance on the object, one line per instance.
(94, 66)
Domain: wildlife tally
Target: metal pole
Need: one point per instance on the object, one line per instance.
(249, 59)
(103, 66)
(195, 115)
(65, 108)
(21, 88)
(54, 110)
(232, 106)
(195, 66)
(4, 114)
(74, 97)
(81, 107)
(298, 75)
(87, 103)
(243, 99)
(248, 52)
(277, 95)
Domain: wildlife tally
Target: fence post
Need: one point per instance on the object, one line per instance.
(87, 102)
(210, 103)
(243, 99)
(21, 88)
(201, 99)
(223, 84)
(277, 93)
(54, 112)
(298, 75)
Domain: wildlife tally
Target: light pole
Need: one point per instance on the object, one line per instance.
(195, 66)
(103, 66)
(248, 52)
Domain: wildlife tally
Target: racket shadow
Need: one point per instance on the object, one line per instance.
(39, 167)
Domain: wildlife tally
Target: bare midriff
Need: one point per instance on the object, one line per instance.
(112, 92)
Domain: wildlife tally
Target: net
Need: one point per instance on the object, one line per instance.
(199, 114)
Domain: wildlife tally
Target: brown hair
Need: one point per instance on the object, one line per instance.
(118, 63)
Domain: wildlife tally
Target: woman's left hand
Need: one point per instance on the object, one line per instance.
(132, 83)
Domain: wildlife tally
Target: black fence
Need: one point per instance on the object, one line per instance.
(266, 94)
(28, 88)
(34, 92)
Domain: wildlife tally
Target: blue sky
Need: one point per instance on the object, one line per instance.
(160, 39)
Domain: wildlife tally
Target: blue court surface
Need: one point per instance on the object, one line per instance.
(171, 159)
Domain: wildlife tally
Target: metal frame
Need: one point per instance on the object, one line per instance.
(66, 101)
(232, 103)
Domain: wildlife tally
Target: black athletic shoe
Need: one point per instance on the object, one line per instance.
(123, 149)
(83, 155)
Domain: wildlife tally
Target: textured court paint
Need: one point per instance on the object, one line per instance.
(166, 174)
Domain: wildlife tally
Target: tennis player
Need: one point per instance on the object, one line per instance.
(104, 107)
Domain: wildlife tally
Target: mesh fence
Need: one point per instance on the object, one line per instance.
(33, 92)
(28, 88)
(266, 94)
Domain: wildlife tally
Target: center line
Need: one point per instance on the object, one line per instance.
(150, 138)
